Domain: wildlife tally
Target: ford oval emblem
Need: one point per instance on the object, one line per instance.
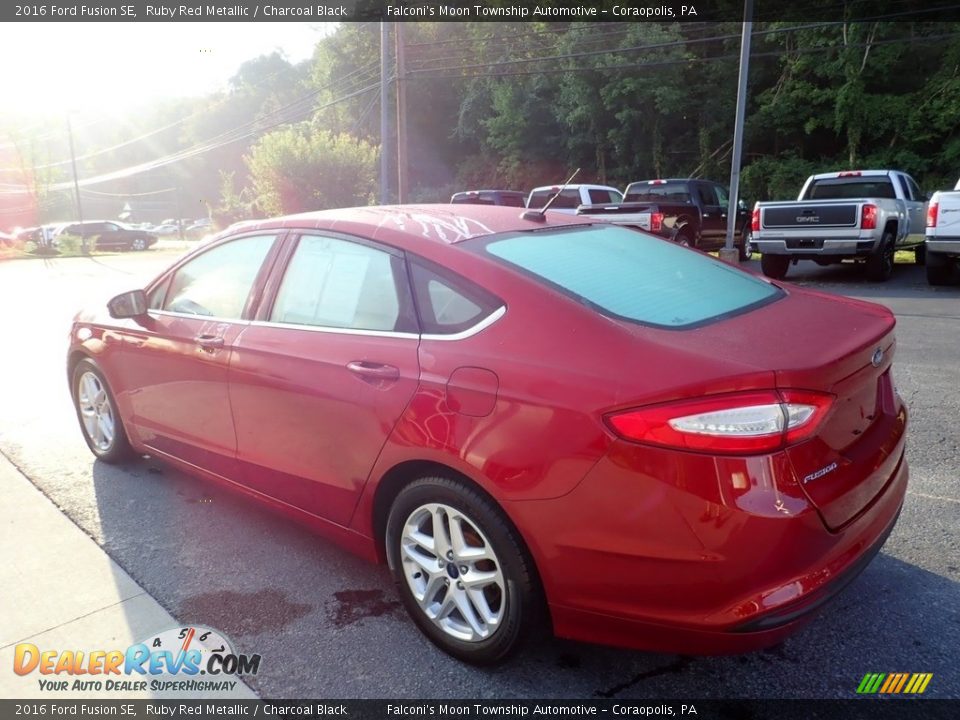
(877, 357)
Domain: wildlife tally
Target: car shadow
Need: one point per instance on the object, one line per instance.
(329, 624)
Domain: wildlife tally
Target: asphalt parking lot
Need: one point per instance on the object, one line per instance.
(330, 625)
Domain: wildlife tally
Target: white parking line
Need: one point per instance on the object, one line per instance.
(933, 497)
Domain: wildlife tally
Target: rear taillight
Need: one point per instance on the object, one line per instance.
(755, 220)
(656, 221)
(738, 424)
(868, 217)
(933, 210)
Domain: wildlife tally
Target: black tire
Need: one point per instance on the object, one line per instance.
(880, 263)
(775, 266)
(746, 247)
(939, 269)
(920, 254)
(117, 449)
(515, 600)
(685, 238)
(138, 244)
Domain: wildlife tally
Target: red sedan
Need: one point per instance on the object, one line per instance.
(529, 418)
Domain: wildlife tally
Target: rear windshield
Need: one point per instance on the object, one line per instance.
(664, 192)
(632, 275)
(851, 188)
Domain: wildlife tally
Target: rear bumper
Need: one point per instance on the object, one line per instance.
(634, 561)
(813, 247)
(945, 246)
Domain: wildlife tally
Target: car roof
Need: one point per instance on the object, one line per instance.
(412, 226)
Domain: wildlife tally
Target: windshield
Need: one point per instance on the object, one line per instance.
(632, 275)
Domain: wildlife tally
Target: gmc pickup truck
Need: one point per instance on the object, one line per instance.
(865, 215)
(687, 211)
(943, 236)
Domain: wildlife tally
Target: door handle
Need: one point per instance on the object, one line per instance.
(209, 342)
(373, 371)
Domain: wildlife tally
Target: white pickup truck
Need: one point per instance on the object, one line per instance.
(865, 215)
(943, 236)
(573, 196)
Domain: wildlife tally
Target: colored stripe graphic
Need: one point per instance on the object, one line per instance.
(894, 683)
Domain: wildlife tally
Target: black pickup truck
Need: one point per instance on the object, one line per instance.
(687, 211)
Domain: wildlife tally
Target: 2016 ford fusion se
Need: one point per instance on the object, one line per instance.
(529, 418)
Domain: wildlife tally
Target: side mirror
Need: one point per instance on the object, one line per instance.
(741, 203)
(128, 305)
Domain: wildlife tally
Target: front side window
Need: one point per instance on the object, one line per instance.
(631, 275)
(218, 282)
(336, 283)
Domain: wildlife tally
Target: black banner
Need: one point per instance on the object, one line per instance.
(476, 10)
(873, 708)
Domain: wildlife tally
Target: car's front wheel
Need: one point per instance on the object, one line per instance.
(139, 244)
(461, 570)
(97, 412)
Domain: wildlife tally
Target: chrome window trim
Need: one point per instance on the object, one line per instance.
(470, 331)
(336, 330)
(193, 316)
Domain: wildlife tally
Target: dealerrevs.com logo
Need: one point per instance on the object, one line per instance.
(188, 659)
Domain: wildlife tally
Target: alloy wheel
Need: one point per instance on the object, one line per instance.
(453, 572)
(96, 412)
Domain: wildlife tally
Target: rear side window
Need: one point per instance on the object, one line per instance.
(603, 197)
(449, 304)
(633, 276)
(341, 284)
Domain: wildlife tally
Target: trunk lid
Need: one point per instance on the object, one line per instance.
(812, 341)
(810, 215)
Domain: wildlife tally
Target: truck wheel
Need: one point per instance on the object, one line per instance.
(685, 238)
(880, 263)
(939, 269)
(775, 266)
(920, 254)
(746, 246)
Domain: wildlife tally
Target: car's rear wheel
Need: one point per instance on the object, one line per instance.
(880, 263)
(461, 570)
(775, 266)
(97, 412)
(920, 254)
(685, 237)
(939, 269)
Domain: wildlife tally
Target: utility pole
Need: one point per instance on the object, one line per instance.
(384, 113)
(728, 253)
(76, 185)
(401, 116)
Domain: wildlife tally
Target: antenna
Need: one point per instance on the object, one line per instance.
(541, 214)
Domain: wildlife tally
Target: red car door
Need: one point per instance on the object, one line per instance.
(175, 361)
(319, 381)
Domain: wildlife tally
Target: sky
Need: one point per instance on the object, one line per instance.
(93, 67)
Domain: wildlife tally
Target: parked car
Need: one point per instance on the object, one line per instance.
(688, 211)
(510, 198)
(865, 215)
(109, 235)
(572, 196)
(527, 418)
(942, 245)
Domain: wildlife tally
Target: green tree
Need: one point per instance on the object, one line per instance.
(298, 169)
